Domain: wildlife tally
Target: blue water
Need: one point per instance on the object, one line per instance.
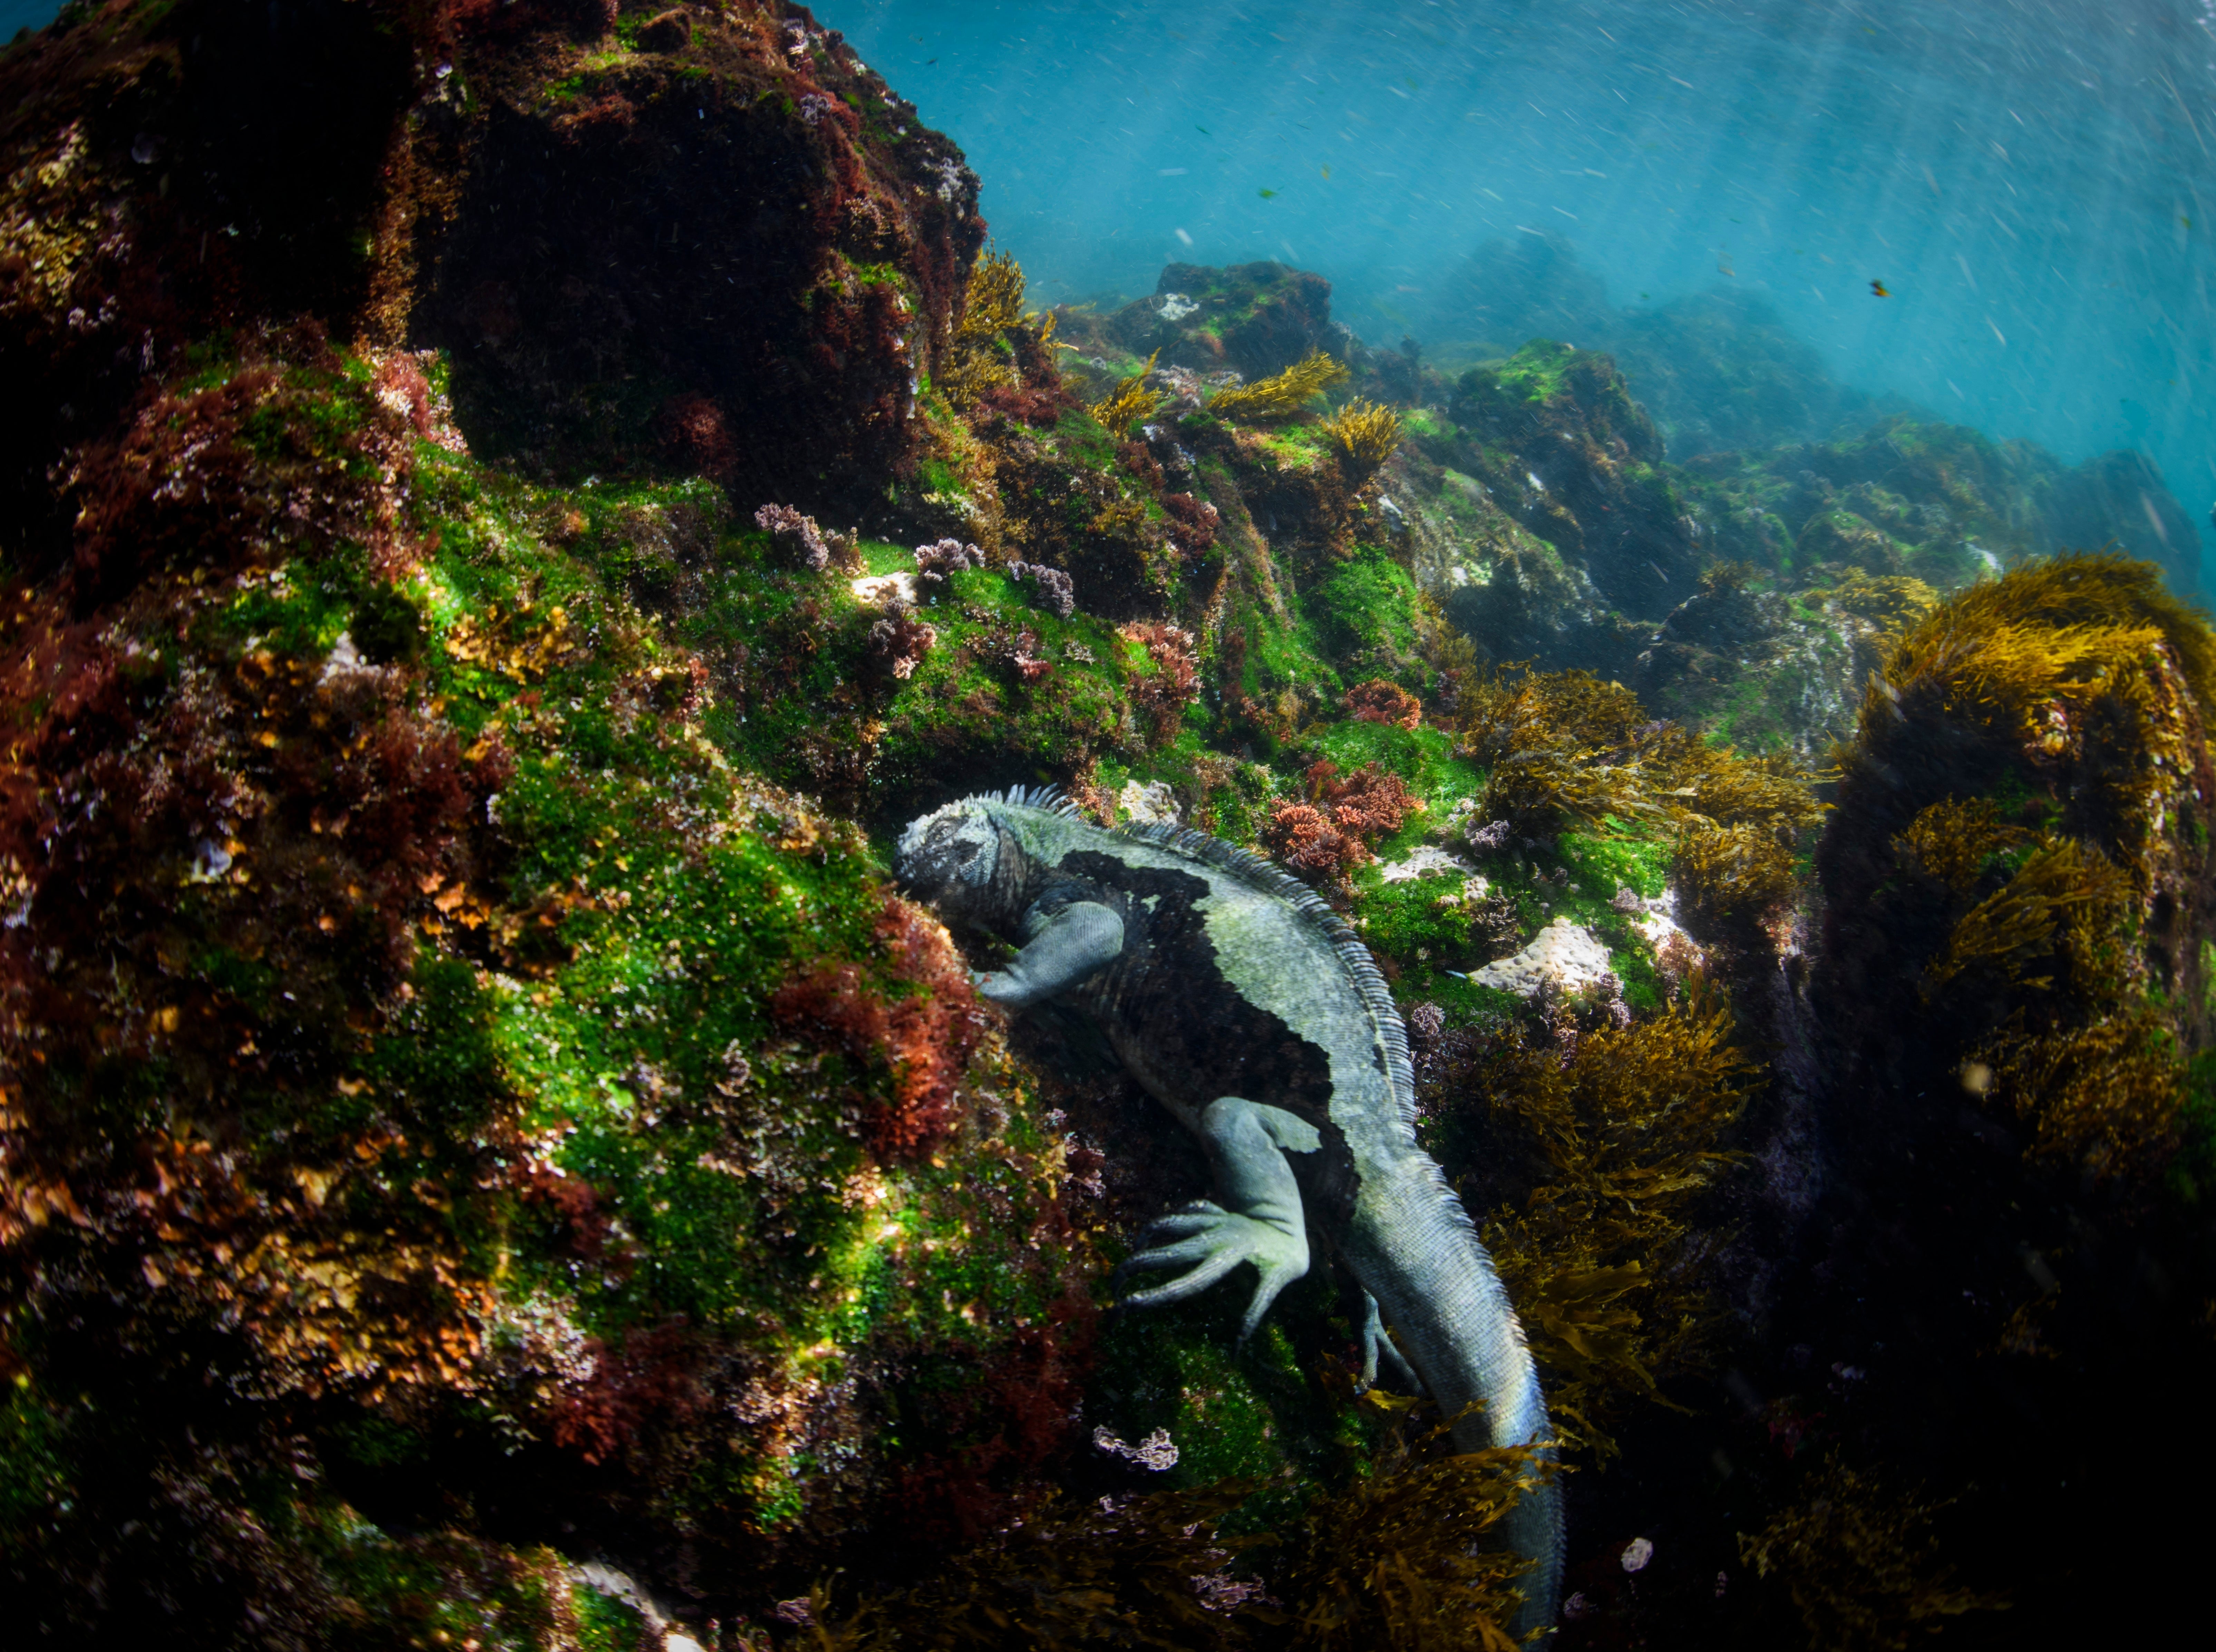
(2032, 181)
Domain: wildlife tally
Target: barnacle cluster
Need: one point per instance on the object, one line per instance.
(1280, 395)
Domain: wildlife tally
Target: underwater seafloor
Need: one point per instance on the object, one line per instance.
(489, 1160)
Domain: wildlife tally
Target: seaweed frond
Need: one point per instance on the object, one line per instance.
(1733, 875)
(1565, 746)
(2107, 1096)
(1365, 433)
(1282, 394)
(1892, 602)
(1143, 1571)
(2061, 630)
(993, 337)
(1861, 1563)
(1555, 746)
(1130, 402)
(1392, 1561)
(1954, 841)
(1632, 1129)
(994, 301)
(2063, 906)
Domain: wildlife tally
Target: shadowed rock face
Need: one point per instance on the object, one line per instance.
(743, 231)
(632, 253)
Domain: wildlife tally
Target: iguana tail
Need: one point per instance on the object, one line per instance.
(1413, 1248)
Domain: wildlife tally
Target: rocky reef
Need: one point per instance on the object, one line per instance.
(508, 510)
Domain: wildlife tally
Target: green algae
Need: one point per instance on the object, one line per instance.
(34, 1477)
(1365, 612)
(587, 998)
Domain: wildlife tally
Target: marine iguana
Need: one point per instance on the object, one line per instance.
(1249, 1009)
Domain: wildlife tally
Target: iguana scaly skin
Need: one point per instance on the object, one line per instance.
(1244, 1005)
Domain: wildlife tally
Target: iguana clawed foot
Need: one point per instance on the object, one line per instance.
(1374, 1341)
(1247, 1144)
(1216, 1240)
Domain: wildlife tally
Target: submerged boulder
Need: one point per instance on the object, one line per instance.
(1255, 319)
(734, 252)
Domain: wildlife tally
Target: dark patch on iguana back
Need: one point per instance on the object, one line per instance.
(1168, 991)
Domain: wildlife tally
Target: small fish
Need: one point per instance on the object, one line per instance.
(1267, 194)
(1877, 289)
(1204, 132)
(1326, 171)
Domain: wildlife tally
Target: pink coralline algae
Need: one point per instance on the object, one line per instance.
(789, 524)
(900, 641)
(1055, 590)
(1156, 1452)
(936, 561)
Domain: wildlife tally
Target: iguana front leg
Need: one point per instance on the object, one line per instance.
(1259, 1220)
(1062, 950)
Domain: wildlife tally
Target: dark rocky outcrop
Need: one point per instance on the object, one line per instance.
(633, 257)
(1255, 319)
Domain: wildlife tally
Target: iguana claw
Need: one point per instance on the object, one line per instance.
(1216, 1240)
(1374, 1341)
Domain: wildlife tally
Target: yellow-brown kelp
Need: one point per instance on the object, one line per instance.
(1861, 1563)
(996, 344)
(1364, 434)
(2010, 1012)
(1130, 402)
(1631, 1130)
(1565, 747)
(1397, 1557)
(2073, 689)
(1282, 394)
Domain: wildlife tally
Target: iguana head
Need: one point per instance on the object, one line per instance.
(950, 857)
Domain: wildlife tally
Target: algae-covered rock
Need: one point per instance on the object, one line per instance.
(435, 1076)
(735, 256)
(486, 1155)
(1255, 319)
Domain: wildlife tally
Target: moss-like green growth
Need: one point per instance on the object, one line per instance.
(594, 1100)
(1367, 614)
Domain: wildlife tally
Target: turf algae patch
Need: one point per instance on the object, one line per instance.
(513, 1112)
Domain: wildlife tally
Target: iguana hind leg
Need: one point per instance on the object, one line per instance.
(1256, 1217)
(1374, 1341)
